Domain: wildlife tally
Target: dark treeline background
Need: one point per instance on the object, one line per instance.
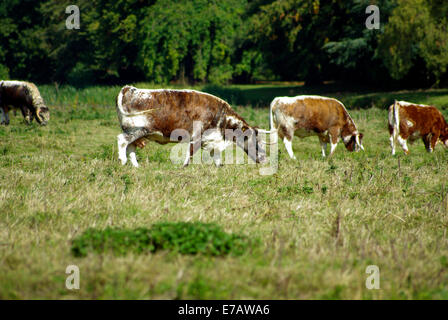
(225, 41)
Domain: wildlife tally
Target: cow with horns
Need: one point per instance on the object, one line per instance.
(24, 96)
(146, 114)
(410, 121)
(304, 116)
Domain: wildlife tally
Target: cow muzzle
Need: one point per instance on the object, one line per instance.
(42, 116)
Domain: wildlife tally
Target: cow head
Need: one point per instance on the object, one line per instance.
(247, 139)
(354, 142)
(42, 114)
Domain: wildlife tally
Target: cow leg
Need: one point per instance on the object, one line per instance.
(392, 144)
(130, 151)
(195, 143)
(124, 140)
(216, 155)
(403, 144)
(433, 142)
(333, 143)
(2, 116)
(194, 146)
(332, 148)
(288, 146)
(427, 142)
(323, 145)
(27, 114)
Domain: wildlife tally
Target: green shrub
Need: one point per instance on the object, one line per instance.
(180, 237)
(4, 72)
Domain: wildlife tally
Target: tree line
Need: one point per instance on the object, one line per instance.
(225, 41)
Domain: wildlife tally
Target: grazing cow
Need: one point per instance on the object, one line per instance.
(304, 116)
(154, 114)
(24, 96)
(412, 121)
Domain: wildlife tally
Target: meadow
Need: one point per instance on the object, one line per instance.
(317, 223)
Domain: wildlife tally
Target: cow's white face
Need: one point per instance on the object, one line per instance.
(42, 115)
(249, 142)
(354, 142)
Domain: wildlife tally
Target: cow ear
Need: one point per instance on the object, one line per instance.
(361, 136)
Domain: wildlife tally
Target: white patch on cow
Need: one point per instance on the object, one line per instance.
(409, 123)
(287, 121)
(140, 121)
(12, 83)
(302, 97)
(346, 139)
(405, 104)
(234, 121)
(149, 91)
(403, 143)
(214, 140)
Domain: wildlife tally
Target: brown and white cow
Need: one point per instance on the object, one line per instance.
(24, 96)
(410, 121)
(304, 116)
(146, 114)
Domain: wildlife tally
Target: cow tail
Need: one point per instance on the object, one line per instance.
(128, 114)
(274, 131)
(396, 122)
(120, 102)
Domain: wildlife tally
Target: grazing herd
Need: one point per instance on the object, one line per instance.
(210, 123)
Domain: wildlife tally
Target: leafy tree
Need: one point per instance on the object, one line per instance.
(352, 48)
(22, 40)
(191, 40)
(291, 33)
(415, 41)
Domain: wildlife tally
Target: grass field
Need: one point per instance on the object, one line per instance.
(318, 222)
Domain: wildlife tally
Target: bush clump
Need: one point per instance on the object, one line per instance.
(180, 237)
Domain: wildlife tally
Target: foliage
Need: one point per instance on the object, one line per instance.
(191, 40)
(4, 72)
(218, 42)
(180, 237)
(416, 36)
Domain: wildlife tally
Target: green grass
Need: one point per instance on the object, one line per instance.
(320, 222)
